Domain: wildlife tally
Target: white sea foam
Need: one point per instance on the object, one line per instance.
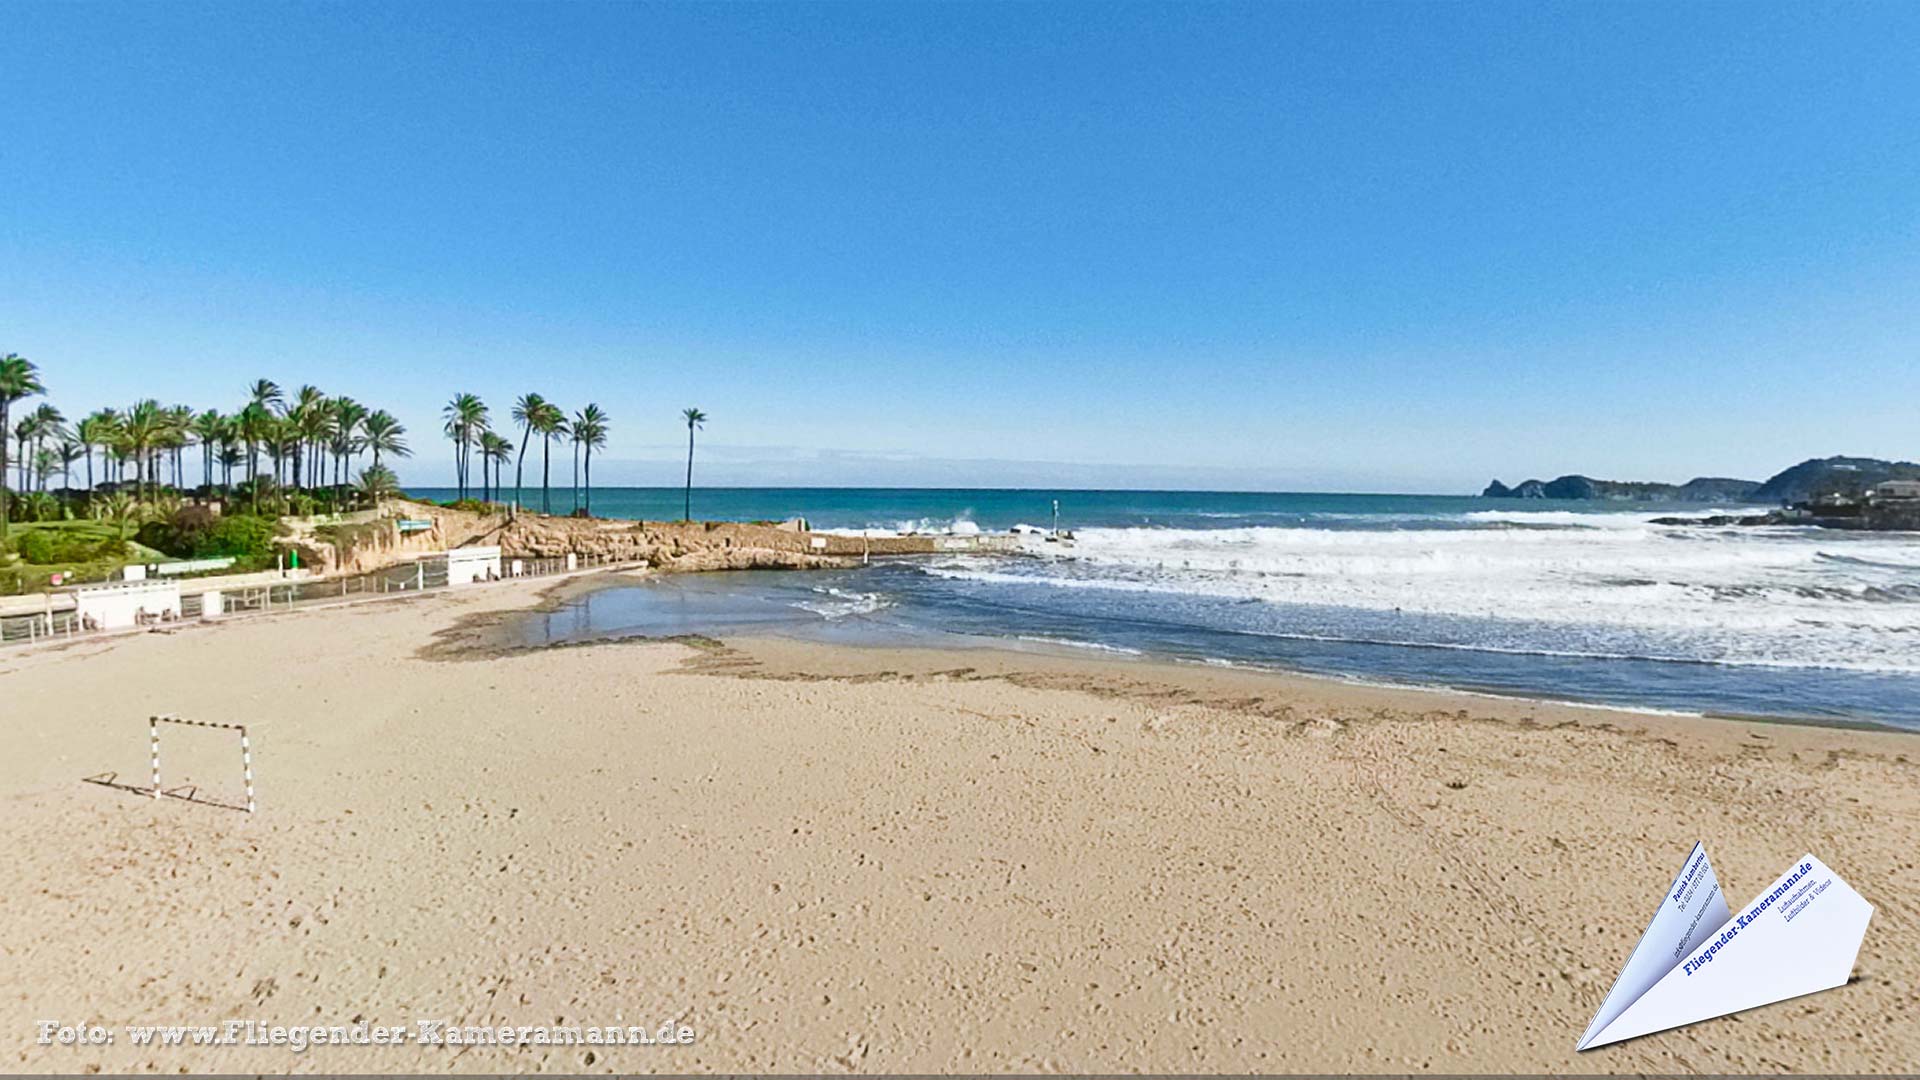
(843, 603)
(1096, 646)
(1783, 597)
(958, 526)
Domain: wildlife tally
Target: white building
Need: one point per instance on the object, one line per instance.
(124, 604)
(470, 564)
(1897, 489)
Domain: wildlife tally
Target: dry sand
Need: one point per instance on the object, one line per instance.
(879, 860)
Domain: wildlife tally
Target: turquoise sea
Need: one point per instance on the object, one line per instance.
(1577, 601)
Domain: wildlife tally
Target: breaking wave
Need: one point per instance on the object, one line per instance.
(1549, 583)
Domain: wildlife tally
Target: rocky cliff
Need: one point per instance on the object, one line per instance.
(1849, 477)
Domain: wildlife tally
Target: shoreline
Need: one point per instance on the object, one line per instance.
(825, 858)
(487, 638)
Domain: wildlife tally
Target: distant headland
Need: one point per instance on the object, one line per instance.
(1815, 478)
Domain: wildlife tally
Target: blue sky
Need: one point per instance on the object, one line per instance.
(1367, 246)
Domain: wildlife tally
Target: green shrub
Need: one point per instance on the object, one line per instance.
(46, 547)
(239, 535)
(37, 546)
(161, 536)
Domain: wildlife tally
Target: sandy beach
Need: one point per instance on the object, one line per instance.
(824, 859)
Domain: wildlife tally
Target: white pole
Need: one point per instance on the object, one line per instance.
(246, 764)
(153, 736)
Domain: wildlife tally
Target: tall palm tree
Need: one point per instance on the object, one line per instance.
(573, 436)
(466, 418)
(22, 435)
(265, 393)
(49, 426)
(694, 418)
(525, 412)
(178, 433)
(230, 456)
(254, 424)
(19, 379)
(144, 426)
(70, 452)
(348, 420)
(385, 435)
(312, 416)
(210, 428)
(99, 428)
(45, 464)
(551, 424)
(497, 449)
(590, 431)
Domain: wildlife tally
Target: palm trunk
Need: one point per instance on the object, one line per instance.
(546, 473)
(589, 480)
(576, 474)
(687, 514)
(525, 437)
(5, 495)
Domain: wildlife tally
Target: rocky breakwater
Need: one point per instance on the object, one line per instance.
(681, 547)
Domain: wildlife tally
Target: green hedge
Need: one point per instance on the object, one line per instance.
(239, 535)
(46, 547)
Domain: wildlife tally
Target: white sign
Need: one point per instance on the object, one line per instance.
(1699, 960)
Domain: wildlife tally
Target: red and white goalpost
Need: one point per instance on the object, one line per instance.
(246, 750)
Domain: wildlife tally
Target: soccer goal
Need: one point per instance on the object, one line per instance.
(246, 755)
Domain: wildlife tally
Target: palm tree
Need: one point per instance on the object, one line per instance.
(265, 393)
(466, 417)
(275, 441)
(120, 508)
(254, 424)
(377, 482)
(694, 418)
(22, 435)
(497, 449)
(590, 431)
(48, 426)
(98, 429)
(349, 418)
(176, 433)
(551, 424)
(573, 433)
(19, 379)
(525, 412)
(385, 435)
(70, 452)
(210, 428)
(142, 431)
(312, 415)
(230, 457)
(45, 464)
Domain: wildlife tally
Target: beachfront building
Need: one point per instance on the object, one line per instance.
(1896, 489)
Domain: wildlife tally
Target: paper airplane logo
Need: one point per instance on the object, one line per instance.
(1699, 960)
